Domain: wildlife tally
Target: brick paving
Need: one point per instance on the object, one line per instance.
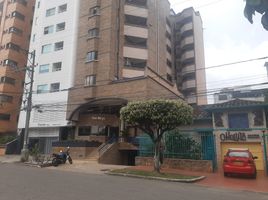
(217, 180)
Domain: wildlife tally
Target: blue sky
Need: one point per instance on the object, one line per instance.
(229, 37)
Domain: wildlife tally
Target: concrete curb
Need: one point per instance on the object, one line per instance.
(158, 178)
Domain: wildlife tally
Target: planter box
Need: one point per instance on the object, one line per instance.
(184, 164)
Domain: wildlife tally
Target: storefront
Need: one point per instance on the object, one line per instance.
(240, 124)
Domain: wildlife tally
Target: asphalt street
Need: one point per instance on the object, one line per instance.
(18, 182)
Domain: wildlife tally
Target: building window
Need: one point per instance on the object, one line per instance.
(55, 87)
(62, 8)
(48, 29)
(136, 63)
(10, 63)
(168, 35)
(93, 32)
(135, 20)
(168, 49)
(18, 15)
(169, 77)
(15, 30)
(91, 56)
(60, 27)
(42, 89)
(58, 46)
(46, 48)
(94, 11)
(238, 120)
(50, 12)
(44, 68)
(56, 66)
(38, 4)
(169, 64)
(5, 98)
(8, 80)
(13, 46)
(84, 131)
(90, 80)
(4, 117)
(222, 97)
(33, 39)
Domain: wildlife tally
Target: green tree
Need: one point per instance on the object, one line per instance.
(260, 6)
(155, 117)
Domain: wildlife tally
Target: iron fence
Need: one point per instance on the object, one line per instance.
(182, 145)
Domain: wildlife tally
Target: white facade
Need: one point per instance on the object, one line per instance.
(54, 38)
(229, 94)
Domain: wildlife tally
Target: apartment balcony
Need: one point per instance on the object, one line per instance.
(191, 100)
(137, 3)
(135, 63)
(169, 43)
(136, 11)
(138, 53)
(136, 21)
(168, 29)
(136, 31)
(188, 84)
(136, 42)
(187, 55)
(188, 69)
(132, 73)
(187, 41)
(187, 27)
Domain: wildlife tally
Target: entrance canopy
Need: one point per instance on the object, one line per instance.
(99, 106)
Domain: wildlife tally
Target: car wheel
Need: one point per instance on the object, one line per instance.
(226, 174)
(55, 162)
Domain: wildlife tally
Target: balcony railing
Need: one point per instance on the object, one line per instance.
(136, 11)
(139, 3)
(187, 55)
(187, 27)
(188, 69)
(188, 84)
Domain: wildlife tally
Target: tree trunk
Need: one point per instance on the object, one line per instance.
(157, 163)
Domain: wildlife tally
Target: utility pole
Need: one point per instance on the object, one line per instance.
(30, 69)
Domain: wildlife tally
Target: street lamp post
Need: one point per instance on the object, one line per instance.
(30, 69)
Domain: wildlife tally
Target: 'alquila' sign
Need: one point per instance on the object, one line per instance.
(238, 136)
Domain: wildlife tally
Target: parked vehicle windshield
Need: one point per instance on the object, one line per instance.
(238, 154)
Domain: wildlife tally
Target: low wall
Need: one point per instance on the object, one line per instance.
(2, 150)
(184, 164)
(76, 152)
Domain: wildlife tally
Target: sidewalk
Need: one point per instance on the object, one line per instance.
(217, 180)
(10, 158)
(87, 166)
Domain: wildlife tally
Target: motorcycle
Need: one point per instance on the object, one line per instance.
(61, 157)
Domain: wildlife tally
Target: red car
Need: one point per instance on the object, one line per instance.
(239, 161)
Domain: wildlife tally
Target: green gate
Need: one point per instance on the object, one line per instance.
(265, 142)
(182, 145)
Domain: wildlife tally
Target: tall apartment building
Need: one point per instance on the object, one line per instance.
(189, 56)
(93, 57)
(15, 29)
(54, 36)
(126, 55)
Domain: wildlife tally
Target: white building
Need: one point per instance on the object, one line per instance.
(54, 37)
(228, 94)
